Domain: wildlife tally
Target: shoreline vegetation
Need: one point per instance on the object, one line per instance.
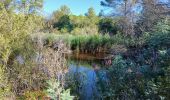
(93, 43)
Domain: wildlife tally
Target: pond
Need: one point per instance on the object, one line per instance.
(87, 76)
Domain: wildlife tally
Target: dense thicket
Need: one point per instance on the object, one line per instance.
(25, 64)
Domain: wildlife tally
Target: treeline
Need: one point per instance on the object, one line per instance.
(128, 21)
(131, 18)
(63, 21)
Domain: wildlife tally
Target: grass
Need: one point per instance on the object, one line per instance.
(92, 43)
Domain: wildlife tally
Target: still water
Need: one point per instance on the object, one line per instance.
(88, 77)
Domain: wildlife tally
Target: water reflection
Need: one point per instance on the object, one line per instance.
(87, 75)
(86, 78)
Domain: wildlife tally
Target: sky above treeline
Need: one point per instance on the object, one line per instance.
(77, 6)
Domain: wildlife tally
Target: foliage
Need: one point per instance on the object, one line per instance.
(29, 6)
(90, 13)
(33, 95)
(142, 74)
(106, 25)
(60, 18)
(140, 67)
(125, 10)
(17, 49)
(83, 42)
(159, 40)
(95, 43)
(64, 23)
(56, 92)
(4, 86)
(162, 26)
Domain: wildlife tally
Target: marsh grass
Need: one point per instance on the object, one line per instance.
(92, 43)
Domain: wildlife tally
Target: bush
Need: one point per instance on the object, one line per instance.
(56, 92)
(107, 25)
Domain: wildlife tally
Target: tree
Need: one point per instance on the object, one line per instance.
(64, 23)
(29, 6)
(8, 4)
(15, 30)
(120, 7)
(61, 19)
(101, 13)
(63, 10)
(153, 10)
(108, 25)
(91, 13)
(125, 10)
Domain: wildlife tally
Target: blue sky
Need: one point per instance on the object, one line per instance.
(77, 6)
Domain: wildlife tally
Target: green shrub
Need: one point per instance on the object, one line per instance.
(57, 92)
